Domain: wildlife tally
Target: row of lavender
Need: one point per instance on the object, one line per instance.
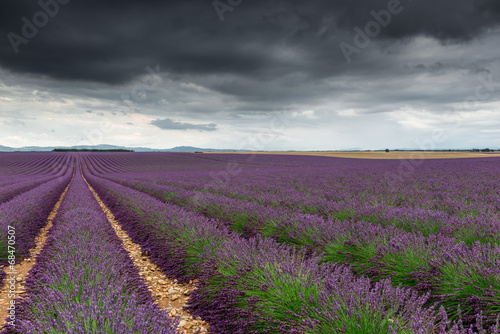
(26, 164)
(27, 213)
(25, 206)
(463, 192)
(258, 285)
(13, 162)
(338, 180)
(452, 258)
(252, 216)
(26, 168)
(272, 203)
(20, 183)
(84, 281)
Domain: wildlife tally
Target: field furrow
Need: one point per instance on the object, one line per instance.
(167, 293)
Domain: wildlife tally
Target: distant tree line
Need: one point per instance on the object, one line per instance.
(450, 150)
(89, 150)
(483, 150)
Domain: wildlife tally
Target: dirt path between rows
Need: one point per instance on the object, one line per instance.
(22, 269)
(167, 293)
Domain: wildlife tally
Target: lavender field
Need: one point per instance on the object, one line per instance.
(274, 243)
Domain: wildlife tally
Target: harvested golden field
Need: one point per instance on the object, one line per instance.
(380, 155)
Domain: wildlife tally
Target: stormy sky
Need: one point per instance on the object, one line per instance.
(264, 75)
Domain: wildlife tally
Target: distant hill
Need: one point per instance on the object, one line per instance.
(108, 147)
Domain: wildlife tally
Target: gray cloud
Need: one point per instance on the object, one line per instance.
(168, 124)
(258, 40)
(265, 58)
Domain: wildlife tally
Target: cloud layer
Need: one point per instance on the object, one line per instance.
(168, 124)
(99, 41)
(151, 67)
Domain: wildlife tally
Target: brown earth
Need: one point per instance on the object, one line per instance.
(401, 155)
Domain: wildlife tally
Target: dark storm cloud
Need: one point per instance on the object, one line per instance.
(168, 124)
(446, 20)
(112, 42)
